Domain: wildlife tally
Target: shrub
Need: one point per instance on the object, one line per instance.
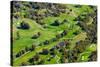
(45, 51)
(46, 42)
(36, 57)
(53, 39)
(93, 56)
(56, 23)
(64, 33)
(22, 51)
(31, 60)
(64, 21)
(17, 55)
(48, 59)
(78, 6)
(52, 49)
(32, 47)
(26, 49)
(24, 25)
(38, 33)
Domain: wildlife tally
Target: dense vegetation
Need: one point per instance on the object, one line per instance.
(50, 33)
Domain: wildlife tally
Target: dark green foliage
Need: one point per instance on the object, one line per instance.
(64, 21)
(93, 56)
(32, 47)
(55, 23)
(53, 39)
(36, 57)
(46, 42)
(64, 33)
(78, 6)
(18, 55)
(22, 51)
(31, 60)
(45, 51)
(48, 59)
(26, 48)
(24, 25)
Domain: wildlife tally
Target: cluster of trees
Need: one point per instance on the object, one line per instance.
(36, 59)
(46, 42)
(78, 6)
(24, 25)
(81, 45)
(93, 56)
(44, 52)
(92, 33)
(91, 30)
(61, 34)
(26, 49)
(68, 56)
(51, 9)
(16, 6)
(57, 22)
(62, 44)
